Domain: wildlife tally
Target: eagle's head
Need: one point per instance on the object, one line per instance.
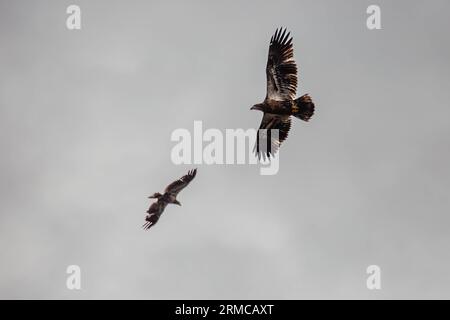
(258, 106)
(156, 195)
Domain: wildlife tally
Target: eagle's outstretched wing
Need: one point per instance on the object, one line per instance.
(281, 69)
(175, 187)
(154, 212)
(271, 121)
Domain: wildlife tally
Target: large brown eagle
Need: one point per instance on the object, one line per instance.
(169, 196)
(280, 103)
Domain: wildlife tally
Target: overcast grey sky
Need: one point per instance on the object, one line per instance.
(86, 118)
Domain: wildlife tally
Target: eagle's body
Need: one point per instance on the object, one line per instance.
(275, 107)
(280, 103)
(168, 197)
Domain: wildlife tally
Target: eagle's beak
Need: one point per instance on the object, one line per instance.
(253, 108)
(177, 203)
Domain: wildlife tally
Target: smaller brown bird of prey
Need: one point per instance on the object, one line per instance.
(280, 103)
(169, 196)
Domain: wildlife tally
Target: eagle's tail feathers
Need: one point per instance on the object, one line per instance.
(303, 108)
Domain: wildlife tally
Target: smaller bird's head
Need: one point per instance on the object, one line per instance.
(258, 106)
(156, 195)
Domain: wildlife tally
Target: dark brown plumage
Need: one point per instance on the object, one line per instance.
(169, 196)
(280, 103)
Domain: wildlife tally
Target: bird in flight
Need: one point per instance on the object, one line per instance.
(169, 196)
(280, 103)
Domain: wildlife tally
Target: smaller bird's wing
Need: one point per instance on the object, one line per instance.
(269, 122)
(281, 70)
(175, 187)
(154, 212)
